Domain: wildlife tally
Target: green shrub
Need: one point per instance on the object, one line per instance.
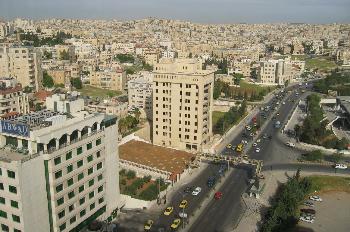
(130, 174)
(122, 172)
(313, 156)
(123, 182)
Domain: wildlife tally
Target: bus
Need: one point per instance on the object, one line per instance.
(239, 147)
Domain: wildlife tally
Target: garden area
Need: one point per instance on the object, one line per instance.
(320, 63)
(91, 91)
(246, 91)
(318, 156)
(339, 82)
(313, 130)
(143, 188)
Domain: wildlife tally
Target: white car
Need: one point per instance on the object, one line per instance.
(307, 219)
(258, 141)
(315, 198)
(283, 103)
(196, 191)
(255, 144)
(182, 215)
(341, 166)
(289, 144)
(257, 150)
(248, 128)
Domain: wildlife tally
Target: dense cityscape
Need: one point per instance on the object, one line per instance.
(170, 125)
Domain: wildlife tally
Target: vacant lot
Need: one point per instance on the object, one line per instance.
(91, 91)
(216, 116)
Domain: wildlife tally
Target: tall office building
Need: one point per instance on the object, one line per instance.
(58, 169)
(275, 72)
(182, 104)
(22, 63)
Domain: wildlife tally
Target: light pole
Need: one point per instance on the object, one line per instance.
(183, 210)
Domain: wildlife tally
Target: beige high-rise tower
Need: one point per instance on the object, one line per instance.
(23, 64)
(182, 104)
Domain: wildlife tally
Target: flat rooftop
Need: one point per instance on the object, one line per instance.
(165, 159)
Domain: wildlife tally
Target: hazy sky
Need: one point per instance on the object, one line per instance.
(206, 11)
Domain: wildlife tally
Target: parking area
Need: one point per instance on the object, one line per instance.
(332, 214)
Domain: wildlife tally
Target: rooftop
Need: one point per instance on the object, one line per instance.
(166, 159)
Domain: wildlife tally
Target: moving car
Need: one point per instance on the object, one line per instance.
(307, 219)
(196, 191)
(255, 144)
(340, 166)
(183, 204)
(183, 215)
(168, 210)
(257, 150)
(290, 144)
(218, 195)
(148, 225)
(211, 181)
(309, 203)
(175, 223)
(239, 147)
(229, 146)
(315, 198)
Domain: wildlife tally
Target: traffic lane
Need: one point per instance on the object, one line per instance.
(305, 167)
(221, 214)
(193, 201)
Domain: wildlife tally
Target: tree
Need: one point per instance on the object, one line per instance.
(137, 114)
(76, 83)
(27, 89)
(64, 55)
(237, 78)
(47, 80)
(47, 55)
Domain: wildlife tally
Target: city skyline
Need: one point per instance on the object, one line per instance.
(205, 11)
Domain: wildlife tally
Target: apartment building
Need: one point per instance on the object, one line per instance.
(140, 96)
(58, 170)
(113, 79)
(182, 104)
(12, 98)
(275, 72)
(23, 64)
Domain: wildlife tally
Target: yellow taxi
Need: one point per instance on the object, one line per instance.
(148, 225)
(183, 204)
(175, 223)
(229, 146)
(168, 210)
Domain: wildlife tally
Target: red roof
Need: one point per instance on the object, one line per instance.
(42, 95)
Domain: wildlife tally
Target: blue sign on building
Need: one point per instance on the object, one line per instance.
(14, 128)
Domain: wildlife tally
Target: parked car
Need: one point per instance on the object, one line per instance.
(290, 144)
(196, 191)
(218, 195)
(309, 203)
(182, 215)
(257, 150)
(211, 181)
(340, 166)
(229, 146)
(255, 144)
(307, 219)
(315, 198)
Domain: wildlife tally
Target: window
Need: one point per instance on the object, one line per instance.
(90, 170)
(99, 177)
(81, 188)
(89, 146)
(80, 150)
(99, 165)
(92, 206)
(0, 172)
(59, 188)
(72, 220)
(100, 189)
(2, 200)
(3, 214)
(98, 154)
(58, 174)
(14, 204)
(91, 182)
(15, 230)
(80, 163)
(1, 186)
(100, 200)
(69, 168)
(82, 201)
(98, 141)
(4, 228)
(89, 158)
(82, 213)
(91, 195)
(81, 176)
(57, 160)
(69, 155)
(63, 227)
(61, 214)
(71, 195)
(70, 182)
(60, 201)
(12, 189)
(71, 208)
(11, 174)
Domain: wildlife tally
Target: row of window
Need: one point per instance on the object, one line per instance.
(13, 203)
(5, 228)
(15, 218)
(12, 189)
(10, 174)
(82, 213)
(69, 155)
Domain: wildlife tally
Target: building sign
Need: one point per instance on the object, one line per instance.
(14, 128)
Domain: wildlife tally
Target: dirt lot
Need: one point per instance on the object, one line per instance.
(155, 156)
(333, 214)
